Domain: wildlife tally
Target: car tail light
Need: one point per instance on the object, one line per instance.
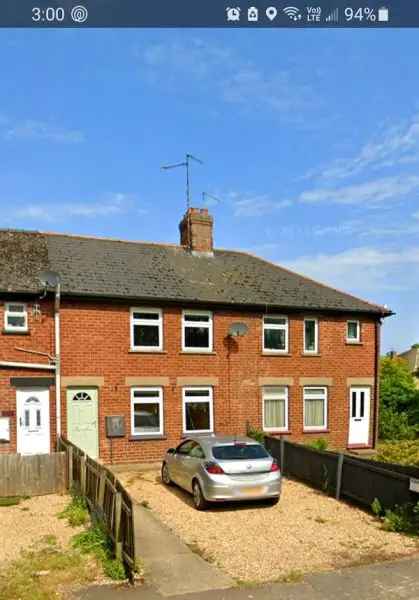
(213, 468)
(274, 467)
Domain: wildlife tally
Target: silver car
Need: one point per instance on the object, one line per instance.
(222, 468)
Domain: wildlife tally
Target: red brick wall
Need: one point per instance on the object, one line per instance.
(95, 342)
(40, 337)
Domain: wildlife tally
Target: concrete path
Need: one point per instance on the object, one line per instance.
(386, 581)
(171, 567)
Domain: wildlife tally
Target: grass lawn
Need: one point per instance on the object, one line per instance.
(401, 452)
(42, 572)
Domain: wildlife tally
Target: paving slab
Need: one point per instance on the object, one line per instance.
(171, 567)
(396, 580)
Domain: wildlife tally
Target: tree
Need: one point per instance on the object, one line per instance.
(399, 400)
(397, 385)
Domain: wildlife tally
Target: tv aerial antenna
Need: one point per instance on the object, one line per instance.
(186, 164)
(206, 197)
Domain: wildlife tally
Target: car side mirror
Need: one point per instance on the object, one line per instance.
(171, 451)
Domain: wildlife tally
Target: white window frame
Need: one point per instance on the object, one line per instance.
(203, 399)
(144, 322)
(11, 313)
(275, 326)
(267, 393)
(358, 337)
(325, 408)
(316, 336)
(208, 324)
(157, 400)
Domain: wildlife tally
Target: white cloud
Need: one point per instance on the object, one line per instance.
(396, 145)
(371, 193)
(364, 229)
(220, 72)
(40, 130)
(111, 205)
(257, 206)
(364, 268)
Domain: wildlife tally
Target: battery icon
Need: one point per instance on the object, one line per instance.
(383, 15)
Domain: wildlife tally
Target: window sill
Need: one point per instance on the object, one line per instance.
(316, 430)
(132, 351)
(310, 354)
(210, 352)
(11, 332)
(354, 343)
(278, 432)
(140, 438)
(185, 436)
(273, 353)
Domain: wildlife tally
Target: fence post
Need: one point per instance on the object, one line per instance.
(83, 475)
(339, 475)
(282, 454)
(69, 453)
(101, 493)
(118, 513)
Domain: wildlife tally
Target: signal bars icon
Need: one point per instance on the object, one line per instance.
(333, 17)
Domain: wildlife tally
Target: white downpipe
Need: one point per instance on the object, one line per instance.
(57, 360)
(21, 365)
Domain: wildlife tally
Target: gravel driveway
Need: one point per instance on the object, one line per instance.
(31, 520)
(307, 531)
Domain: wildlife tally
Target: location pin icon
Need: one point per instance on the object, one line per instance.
(271, 12)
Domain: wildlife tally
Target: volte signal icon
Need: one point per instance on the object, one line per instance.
(333, 17)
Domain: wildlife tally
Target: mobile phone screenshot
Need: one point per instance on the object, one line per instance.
(209, 299)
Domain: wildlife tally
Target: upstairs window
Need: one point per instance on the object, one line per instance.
(275, 334)
(196, 331)
(311, 336)
(353, 332)
(146, 329)
(15, 317)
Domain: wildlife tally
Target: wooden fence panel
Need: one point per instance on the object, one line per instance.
(33, 475)
(355, 479)
(107, 499)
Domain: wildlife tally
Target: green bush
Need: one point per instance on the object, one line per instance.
(402, 453)
(96, 541)
(256, 434)
(319, 444)
(76, 512)
(395, 425)
(403, 519)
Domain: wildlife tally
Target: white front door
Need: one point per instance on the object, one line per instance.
(33, 431)
(359, 416)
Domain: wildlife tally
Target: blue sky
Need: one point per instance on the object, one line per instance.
(310, 140)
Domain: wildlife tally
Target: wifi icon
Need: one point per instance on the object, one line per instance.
(293, 13)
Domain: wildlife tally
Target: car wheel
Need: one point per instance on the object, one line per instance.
(198, 499)
(273, 501)
(165, 476)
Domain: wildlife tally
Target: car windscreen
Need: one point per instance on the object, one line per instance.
(239, 452)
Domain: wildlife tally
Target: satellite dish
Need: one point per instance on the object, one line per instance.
(49, 278)
(238, 329)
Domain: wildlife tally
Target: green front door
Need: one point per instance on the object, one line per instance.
(82, 419)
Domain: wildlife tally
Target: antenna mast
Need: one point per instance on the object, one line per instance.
(186, 163)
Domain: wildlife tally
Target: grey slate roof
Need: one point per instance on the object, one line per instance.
(142, 271)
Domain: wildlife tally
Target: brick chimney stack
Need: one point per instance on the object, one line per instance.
(196, 230)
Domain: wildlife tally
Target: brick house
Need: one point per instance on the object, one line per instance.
(147, 332)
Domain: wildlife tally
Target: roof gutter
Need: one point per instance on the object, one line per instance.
(22, 365)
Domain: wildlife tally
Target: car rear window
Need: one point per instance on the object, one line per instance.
(239, 452)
